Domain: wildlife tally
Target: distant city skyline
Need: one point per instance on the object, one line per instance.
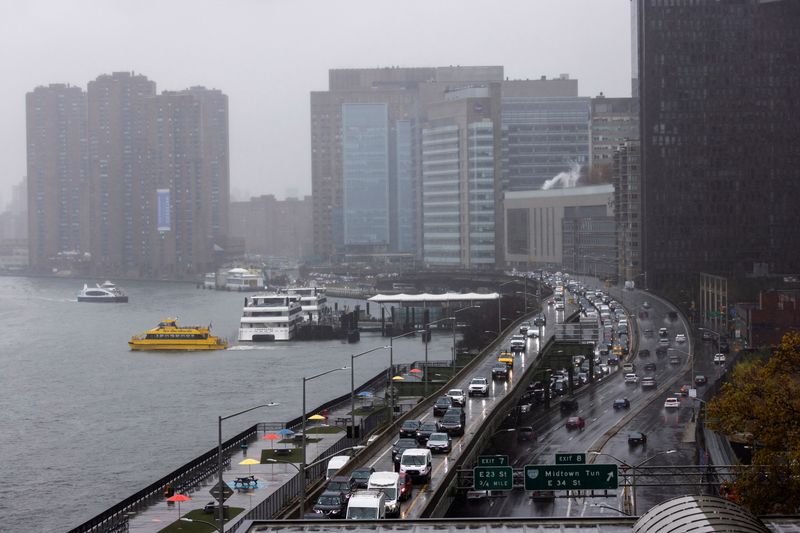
(269, 56)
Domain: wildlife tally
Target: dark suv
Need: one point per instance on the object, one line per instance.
(441, 406)
(451, 424)
(331, 504)
(568, 405)
(500, 371)
(341, 484)
(425, 431)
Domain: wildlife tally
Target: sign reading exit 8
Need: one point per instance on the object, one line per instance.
(493, 478)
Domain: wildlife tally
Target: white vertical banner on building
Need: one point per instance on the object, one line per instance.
(162, 196)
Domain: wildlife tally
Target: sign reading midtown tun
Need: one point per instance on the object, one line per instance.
(571, 477)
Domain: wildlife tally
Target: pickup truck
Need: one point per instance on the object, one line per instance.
(478, 386)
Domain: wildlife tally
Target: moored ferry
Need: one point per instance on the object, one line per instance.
(269, 317)
(313, 302)
(169, 336)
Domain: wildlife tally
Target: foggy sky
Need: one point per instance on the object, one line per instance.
(267, 55)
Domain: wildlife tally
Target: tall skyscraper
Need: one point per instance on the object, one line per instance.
(341, 161)
(460, 192)
(719, 138)
(120, 195)
(58, 180)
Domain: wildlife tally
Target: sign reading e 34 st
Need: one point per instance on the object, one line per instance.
(493, 478)
(571, 477)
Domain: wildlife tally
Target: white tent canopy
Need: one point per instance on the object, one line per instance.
(426, 297)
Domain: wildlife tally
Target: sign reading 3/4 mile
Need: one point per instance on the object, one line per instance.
(493, 478)
(571, 477)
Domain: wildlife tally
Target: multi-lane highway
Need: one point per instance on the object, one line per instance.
(607, 429)
(476, 409)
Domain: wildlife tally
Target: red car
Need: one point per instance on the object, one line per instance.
(405, 486)
(576, 422)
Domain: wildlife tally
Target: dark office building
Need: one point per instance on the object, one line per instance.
(720, 141)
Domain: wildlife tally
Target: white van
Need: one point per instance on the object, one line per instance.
(366, 505)
(417, 463)
(335, 464)
(389, 484)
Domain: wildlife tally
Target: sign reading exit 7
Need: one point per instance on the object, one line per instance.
(492, 460)
(571, 477)
(493, 478)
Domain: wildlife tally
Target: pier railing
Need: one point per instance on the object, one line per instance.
(184, 479)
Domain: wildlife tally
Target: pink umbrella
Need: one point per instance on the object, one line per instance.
(179, 498)
(416, 371)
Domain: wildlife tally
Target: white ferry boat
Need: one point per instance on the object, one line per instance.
(269, 317)
(242, 279)
(313, 302)
(105, 293)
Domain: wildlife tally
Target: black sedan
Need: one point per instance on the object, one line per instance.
(636, 437)
(410, 428)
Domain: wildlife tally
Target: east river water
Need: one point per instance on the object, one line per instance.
(85, 422)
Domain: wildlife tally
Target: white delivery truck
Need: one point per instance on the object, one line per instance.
(335, 464)
(366, 505)
(389, 484)
(417, 463)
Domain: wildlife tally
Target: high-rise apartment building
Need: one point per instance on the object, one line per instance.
(120, 194)
(127, 182)
(58, 179)
(614, 121)
(719, 137)
(628, 209)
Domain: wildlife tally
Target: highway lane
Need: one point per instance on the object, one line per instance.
(476, 410)
(606, 428)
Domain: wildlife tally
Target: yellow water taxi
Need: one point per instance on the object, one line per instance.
(169, 336)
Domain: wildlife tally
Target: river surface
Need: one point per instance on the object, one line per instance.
(85, 422)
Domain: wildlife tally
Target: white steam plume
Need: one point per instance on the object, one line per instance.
(564, 180)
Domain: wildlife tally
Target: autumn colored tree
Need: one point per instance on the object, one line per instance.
(761, 401)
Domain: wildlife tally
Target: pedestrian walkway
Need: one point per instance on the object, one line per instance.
(270, 477)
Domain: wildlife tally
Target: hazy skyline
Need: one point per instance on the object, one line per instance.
(267, 56)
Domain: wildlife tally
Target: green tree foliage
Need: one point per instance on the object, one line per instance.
(761, 402)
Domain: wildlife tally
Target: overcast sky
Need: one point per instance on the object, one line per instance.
(267, 55)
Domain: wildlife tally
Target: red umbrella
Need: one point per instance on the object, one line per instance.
(416, 371)
(179, 498)
(271, 437)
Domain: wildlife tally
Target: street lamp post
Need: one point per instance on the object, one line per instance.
(303, 422)
(390, 383)
(220, 495)
(633, 470)
(302, 470)
(353, 358)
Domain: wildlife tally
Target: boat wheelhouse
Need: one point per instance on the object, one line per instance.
(313, 302)
(269, 317)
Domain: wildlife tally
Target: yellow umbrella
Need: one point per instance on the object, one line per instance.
(398, 378)
(250, 461)
(316, 417)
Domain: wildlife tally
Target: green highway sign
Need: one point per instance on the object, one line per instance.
(570, 458)
(571, 477)
(493, 478)
(492, 460)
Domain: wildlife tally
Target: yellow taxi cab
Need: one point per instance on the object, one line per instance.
(507, 358)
